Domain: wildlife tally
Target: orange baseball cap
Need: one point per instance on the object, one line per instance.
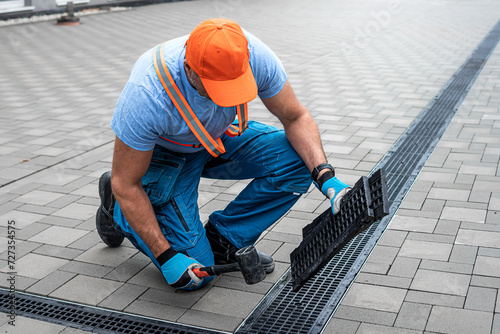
(217, 50)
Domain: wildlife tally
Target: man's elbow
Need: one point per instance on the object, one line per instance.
(121, 187)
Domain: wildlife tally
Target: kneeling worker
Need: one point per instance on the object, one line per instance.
(175, 122)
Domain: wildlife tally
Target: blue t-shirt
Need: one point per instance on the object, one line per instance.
(144, 112)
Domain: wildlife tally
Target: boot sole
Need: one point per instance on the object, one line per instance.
(112, 241)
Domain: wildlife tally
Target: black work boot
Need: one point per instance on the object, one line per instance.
(104, 215)
(225, 252)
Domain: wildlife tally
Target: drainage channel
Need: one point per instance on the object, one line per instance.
(309, 309)
(86, 318)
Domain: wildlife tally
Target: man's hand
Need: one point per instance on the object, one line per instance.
(335, 189)
(177, 269)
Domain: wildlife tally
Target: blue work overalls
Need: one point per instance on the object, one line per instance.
(261, 153)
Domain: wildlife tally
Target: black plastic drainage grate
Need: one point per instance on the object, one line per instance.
(309, 309)
(87, 318)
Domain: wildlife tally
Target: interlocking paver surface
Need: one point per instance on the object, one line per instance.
(365, 69)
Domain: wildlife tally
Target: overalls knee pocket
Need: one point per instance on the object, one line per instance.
(179, 223)
(173, 209)
(159, 180)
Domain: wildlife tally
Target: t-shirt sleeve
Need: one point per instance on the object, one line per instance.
(133, 119)
(267, 68)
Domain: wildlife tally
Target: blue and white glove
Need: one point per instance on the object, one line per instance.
(330, 186)
(335, 189)
(177, 269)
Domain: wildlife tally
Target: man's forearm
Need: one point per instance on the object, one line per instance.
(139, 213)
(303, 135)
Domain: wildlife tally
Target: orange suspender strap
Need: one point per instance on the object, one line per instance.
(214, 147)
(233, 131)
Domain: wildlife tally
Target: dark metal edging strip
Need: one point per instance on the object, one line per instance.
(431, 129)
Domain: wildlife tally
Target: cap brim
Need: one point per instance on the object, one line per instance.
(230, 93)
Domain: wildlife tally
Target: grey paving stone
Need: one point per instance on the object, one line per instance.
(413, 224)
(393, 238)
(448, 227)
(279, 270)
(449, 194)
(39, 197)
(63, 201)
(480, 227)
(414, 200)
(128, 269)
(376, 268)
(237, 282)
(378, 329)
(441, 282)
(493, 217)
(50, 282)
(43, 210)
(59, 221)
(57, 251)
(86, 289)
(21, 218)
(413, 316)
(486, 281)
(228, 302)
(341, 326)
(307, 205)
(478, 238)
(219, 322)
(88, 225)
(489, 252)
(154, 310)
(383, 254)
(375, 297)
(23, 282)
(106, 256)
(481, 299)
(365, 315)
(32, 230)
(425, 250)
(453, 320)
(433, 238)
(487, 266)
(480, 196)
(290, 226)
(69, 330)
(9, 206)
(383, 280)
(88, 269)
(173, 297)
(36, 266)
(150, 276)
(282, 237)
(76, 211)
(496, 324)
(25, 325)
(423, 297)
(404, 267)
(283, 253)
(58, 236)
(123, 297)
(88, 241)
(459, 268)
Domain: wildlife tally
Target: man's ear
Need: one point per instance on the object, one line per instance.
(186, 66)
